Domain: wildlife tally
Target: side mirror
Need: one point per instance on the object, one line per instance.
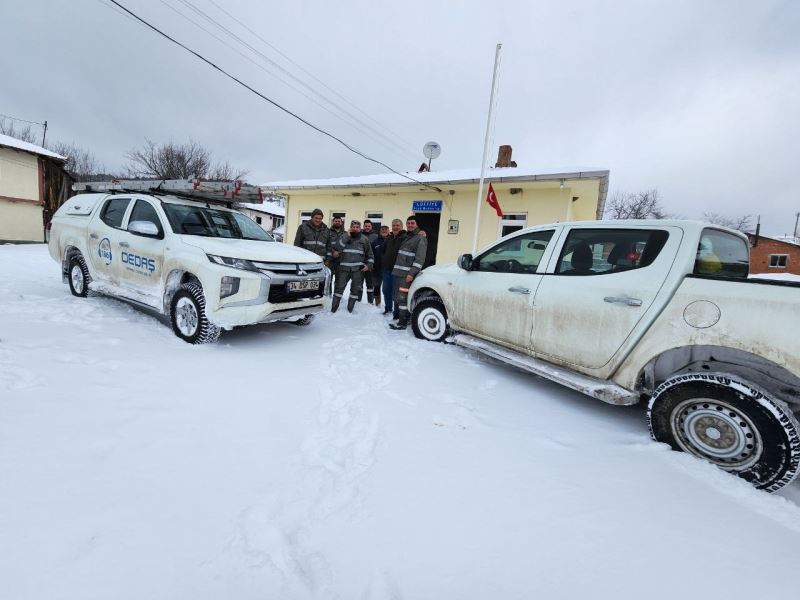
(147, 228)
(465, 262)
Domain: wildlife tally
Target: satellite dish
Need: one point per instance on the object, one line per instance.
(432, 150)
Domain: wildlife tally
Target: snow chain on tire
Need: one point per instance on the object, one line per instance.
(722, 419)
(305, 321)
(206, 332)
(78, 259)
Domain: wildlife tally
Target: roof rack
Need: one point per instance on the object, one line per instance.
(220, 192)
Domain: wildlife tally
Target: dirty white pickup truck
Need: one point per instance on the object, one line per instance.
(205, 266)
(624, 311)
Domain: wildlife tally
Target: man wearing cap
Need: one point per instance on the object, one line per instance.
(313, 235)
(355, 259)
(410, 258)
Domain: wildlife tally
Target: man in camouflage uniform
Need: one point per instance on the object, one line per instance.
(355, 260)
(410, 258)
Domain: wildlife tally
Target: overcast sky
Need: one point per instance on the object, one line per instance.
(699, 99)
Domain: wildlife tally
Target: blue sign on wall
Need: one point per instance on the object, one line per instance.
(426, 206)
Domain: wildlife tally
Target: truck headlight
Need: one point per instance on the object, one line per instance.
(228, 286)
(236, 263)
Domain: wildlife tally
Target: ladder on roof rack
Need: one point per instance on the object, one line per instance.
(221, 192)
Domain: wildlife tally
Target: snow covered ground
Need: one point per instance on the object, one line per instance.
(341, 460)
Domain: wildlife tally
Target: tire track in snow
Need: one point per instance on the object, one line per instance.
(336, 455)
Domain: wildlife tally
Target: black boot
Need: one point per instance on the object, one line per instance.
(370, 297)
(401, 324)
(335, 304)
(350, 304)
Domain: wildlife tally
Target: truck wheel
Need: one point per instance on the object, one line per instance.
(78, 277)
(429, 320)
(729, 423)
(306, 320)
(188, 316)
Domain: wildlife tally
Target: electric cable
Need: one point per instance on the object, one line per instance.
(288, 73)
(310, 74)
(286, 83)
(267, 99)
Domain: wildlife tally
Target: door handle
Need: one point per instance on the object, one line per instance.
(94, 236)
(623, 300)
(127, 245)
(519, 290)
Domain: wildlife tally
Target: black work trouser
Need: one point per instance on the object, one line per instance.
(356, 280)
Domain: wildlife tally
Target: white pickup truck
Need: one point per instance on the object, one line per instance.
(203, 265)
(625, 311)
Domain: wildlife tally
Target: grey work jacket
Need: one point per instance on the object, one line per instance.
(354, 253)
(315, 239)
(411, 255)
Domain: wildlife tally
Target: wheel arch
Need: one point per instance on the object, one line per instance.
(423, 293)
(70, 252)
(767, 375)
(173, 282)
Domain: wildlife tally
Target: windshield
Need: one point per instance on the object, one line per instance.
(213, 222)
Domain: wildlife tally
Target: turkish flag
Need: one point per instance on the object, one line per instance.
(491, 200)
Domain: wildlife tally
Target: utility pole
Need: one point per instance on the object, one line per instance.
(796, 221)
(44, 134)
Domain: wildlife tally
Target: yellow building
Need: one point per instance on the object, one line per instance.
(445, 204)
(33, 184)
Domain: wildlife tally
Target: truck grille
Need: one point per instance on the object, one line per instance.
(287, 268)
(278, 295)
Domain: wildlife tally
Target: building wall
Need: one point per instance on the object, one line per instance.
(20, 206)
(759, 256)
(544, 202)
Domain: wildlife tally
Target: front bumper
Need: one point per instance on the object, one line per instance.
(263, 296)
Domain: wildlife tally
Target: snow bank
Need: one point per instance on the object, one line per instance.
(340, 460)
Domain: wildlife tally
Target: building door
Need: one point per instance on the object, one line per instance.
(429, 223)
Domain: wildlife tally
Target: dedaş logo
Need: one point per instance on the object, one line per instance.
(104, 251)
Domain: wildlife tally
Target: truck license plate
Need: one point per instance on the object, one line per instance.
(301, 286)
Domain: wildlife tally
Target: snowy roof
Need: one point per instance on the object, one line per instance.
(442, 177)
(10, 142)
(280, 230)
(270, 208)
(786, 239)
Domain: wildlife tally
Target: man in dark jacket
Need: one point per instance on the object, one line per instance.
(355, 260)
(313, 235)
(377, 271)
(390, 248)
(410, 258)
(335, 233)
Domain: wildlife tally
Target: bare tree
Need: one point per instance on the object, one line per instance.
(178, 161)
(740, 223)
(223, 171)
(81, 163)
(636, 205)
(25, 134)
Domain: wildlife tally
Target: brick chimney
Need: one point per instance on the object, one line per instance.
(504, 157)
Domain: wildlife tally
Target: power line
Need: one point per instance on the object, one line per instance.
(291, 75)
(307, 72)
(267, 99)
(249, 59)
(2, 116)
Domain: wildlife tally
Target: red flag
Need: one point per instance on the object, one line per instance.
(491, 200)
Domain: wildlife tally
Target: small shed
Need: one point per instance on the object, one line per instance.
(270, 215)
(33, 184)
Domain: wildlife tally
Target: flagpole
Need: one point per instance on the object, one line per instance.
(485, 150)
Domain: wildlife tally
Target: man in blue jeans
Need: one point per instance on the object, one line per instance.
(390, 286)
